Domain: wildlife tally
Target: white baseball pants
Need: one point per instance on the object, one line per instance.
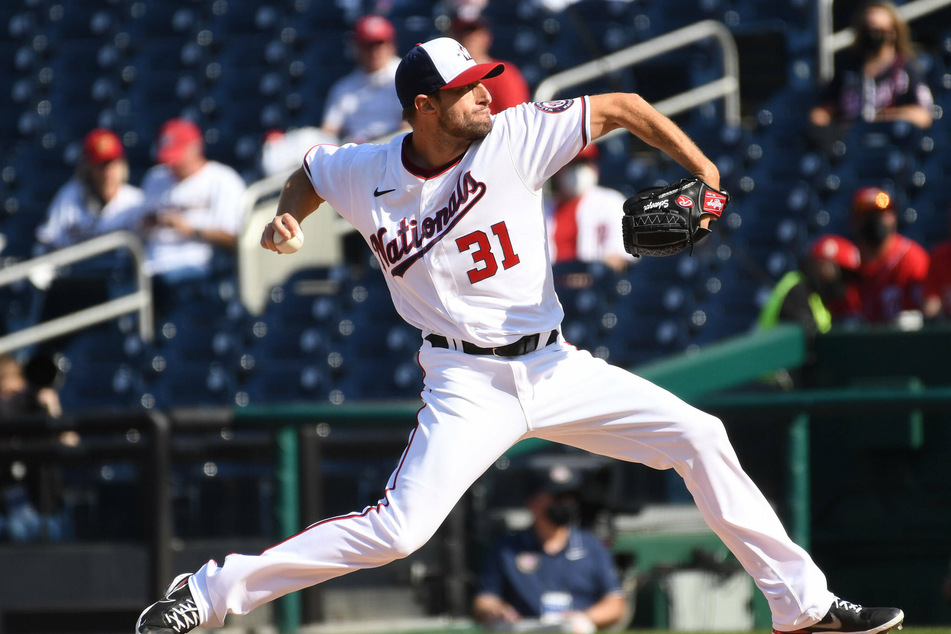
(476, 408)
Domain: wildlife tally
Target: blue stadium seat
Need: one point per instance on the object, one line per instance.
(189, 384)
(288, 382)
(161, 19)
(288, 343)
(246, 52)
(102, 387)
(244, 19)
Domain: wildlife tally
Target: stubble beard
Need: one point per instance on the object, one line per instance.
(467, 128)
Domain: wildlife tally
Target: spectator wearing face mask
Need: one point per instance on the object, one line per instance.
(584, 219)
(893, 267)
(880, 79)
(552, 576)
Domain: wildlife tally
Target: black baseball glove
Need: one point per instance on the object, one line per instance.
(666, 220)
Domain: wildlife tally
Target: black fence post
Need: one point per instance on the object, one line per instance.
(160, 522)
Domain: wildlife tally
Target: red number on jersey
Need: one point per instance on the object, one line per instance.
(483, 254)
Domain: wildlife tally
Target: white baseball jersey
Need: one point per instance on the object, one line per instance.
(74, 215)
(210, 199)
(465, 255)
(456, 264)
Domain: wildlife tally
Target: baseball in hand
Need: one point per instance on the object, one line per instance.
(289, 246)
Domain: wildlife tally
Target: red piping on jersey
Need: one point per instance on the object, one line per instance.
(584, 129)
(384, 502)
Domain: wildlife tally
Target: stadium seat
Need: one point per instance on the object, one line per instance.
(102, 387)
(161, 19)
(190, 384)
(245, 19)
(288, 382)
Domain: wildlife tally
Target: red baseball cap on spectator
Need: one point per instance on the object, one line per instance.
(371, 29)
(175, 138)
(101, 146)
(836, 249)
(465, 23)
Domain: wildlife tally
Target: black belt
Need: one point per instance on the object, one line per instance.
(528, 343)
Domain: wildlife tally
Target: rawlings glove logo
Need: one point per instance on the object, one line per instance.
(685, 201)
(713, 202)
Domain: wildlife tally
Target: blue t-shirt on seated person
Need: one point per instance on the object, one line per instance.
(523, 575)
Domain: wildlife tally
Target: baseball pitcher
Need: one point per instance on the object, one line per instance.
(453, 211)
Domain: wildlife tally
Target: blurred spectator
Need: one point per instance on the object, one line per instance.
(283, 152)
(362, 106)
(937, 288)
(584, 222)
(30, 489)
(893, 266)
(823, 291)
(881, 79)
(192, 206)
(552, 576)
(508, 89)
(97, 200)
(20, 396)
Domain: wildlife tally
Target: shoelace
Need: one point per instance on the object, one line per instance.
(183, 616)
(845, 605)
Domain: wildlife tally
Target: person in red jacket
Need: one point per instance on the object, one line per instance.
(893, 266)
(937, 289)
(507, 89)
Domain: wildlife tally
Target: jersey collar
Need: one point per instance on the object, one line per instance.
(424, 172)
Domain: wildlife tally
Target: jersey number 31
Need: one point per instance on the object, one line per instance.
(482, 254)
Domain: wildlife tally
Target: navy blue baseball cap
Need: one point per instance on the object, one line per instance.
(436, 65)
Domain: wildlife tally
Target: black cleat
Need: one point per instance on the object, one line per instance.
(175, 614)
(854, 619)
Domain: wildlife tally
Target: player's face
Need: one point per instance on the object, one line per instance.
(464, 112)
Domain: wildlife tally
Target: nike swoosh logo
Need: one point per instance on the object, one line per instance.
(377, 193)
(836, 623)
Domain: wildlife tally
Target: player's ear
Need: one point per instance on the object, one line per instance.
(425, 104)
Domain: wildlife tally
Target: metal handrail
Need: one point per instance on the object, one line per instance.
(138, 301)
(727, 86)
(830, 43)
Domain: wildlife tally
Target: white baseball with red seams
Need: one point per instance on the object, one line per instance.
(464, 254)
(293, 244)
